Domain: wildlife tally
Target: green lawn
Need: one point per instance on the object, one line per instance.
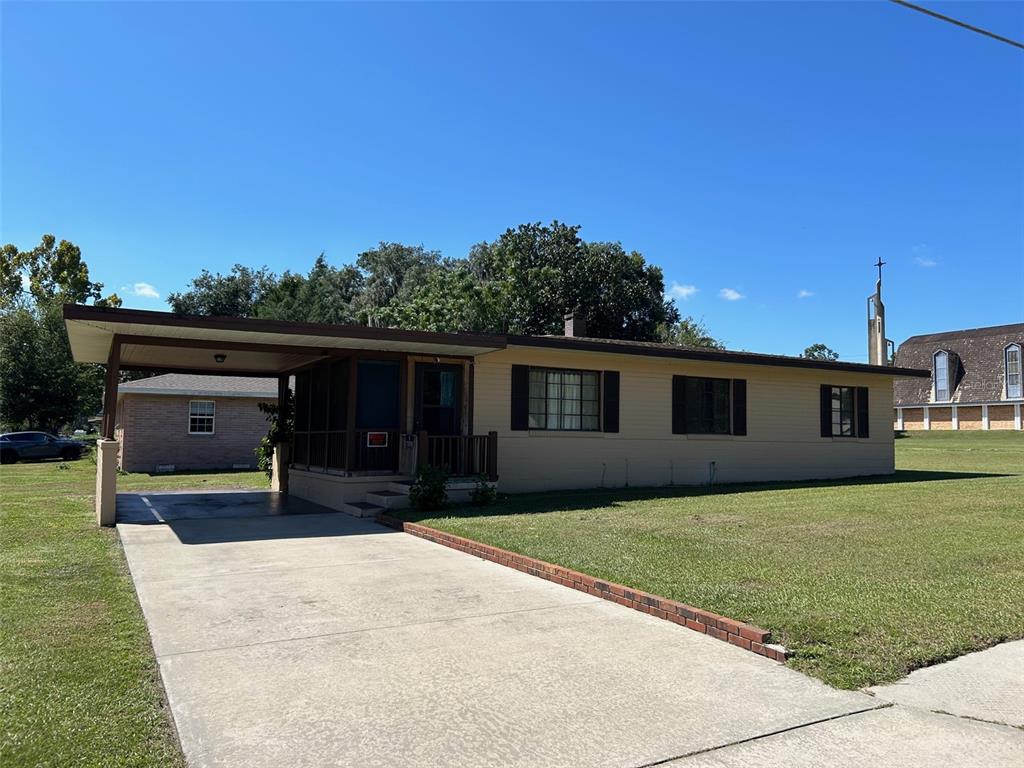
(865, 580)
(78, 681)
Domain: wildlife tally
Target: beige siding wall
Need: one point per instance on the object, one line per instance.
(783, 425)
(154, 430)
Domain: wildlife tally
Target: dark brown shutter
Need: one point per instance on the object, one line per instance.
(611, 401)
(678, 405)
(862, 411)
(826, 410)
(739, 406)
(520, 397)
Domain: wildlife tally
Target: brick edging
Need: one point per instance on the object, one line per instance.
(746, 636)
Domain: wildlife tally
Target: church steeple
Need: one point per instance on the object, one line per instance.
(878, 345)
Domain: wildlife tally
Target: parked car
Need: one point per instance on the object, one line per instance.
(21, 446)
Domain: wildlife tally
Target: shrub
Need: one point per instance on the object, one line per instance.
(280, 432)
(484, 494)
(429, 491)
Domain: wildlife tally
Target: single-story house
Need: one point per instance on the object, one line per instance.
(533, 413)
(178, 421)
(975, 381)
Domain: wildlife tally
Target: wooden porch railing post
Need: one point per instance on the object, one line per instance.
(492, 456)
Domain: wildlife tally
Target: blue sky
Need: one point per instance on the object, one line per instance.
(764, 154)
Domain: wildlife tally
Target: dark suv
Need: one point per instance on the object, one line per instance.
(19, 446)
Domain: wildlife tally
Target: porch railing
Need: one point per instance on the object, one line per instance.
(330, 449)
(460, 454)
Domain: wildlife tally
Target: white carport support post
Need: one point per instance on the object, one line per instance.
(106, 447)
(984, 417)
(282, 451)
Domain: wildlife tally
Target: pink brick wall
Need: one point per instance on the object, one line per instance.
(154, 430)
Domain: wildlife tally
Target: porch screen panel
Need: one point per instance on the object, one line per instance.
(318, 416)
(300, 440)
(377, 397)
(337, 414)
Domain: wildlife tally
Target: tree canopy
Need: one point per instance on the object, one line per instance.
(820, 352)
(41, 386)
(523, 282)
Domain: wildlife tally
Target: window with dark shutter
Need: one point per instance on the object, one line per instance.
(520, 396)
(739, 406)
(844, 411)
(862, 411)
(826, 410)
(611, 401)
(678, 405)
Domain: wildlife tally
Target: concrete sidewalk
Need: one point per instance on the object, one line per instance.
(987, 686)
(325, 640)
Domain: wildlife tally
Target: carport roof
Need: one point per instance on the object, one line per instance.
(169, 342)
(163, 341)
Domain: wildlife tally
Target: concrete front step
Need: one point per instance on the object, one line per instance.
(389, 499)
(361, 508)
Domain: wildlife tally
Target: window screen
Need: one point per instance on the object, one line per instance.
(843, 411)
(200, 417)
(1013, 376)
(563, 399)
(707, 406)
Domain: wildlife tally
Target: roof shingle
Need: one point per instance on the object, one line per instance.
(981, 372)
(207, 386)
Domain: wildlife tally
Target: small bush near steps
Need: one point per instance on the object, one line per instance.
(484, 494)
(429, 491)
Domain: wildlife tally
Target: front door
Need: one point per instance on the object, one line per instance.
(438, 399)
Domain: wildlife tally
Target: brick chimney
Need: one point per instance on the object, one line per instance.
(575, 324)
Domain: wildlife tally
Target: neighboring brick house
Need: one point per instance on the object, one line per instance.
(178, 422)
(976, 380)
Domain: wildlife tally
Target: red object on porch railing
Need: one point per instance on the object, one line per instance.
(460, 454)
(325, 450)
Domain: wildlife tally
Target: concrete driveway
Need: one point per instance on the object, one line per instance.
(322, 640)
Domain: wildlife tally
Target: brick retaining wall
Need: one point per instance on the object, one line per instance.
(738, 633)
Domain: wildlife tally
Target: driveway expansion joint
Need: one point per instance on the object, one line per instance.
(445, 620)
(766, 735)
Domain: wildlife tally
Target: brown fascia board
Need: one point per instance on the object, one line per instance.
(150, 317)
(714, 356)
(110, 314)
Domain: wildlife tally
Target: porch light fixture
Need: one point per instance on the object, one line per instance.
(220, 358)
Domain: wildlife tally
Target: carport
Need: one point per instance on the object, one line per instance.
(161, 342)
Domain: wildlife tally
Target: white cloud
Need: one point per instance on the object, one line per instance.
(923, 256)
(683, 292)
(803, 293)
(145, 290)
(731, 294)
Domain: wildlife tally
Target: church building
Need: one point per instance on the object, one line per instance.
(975, 381)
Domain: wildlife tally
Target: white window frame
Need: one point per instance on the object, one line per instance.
(1018, 392)
(935, 377)
(212, 416)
